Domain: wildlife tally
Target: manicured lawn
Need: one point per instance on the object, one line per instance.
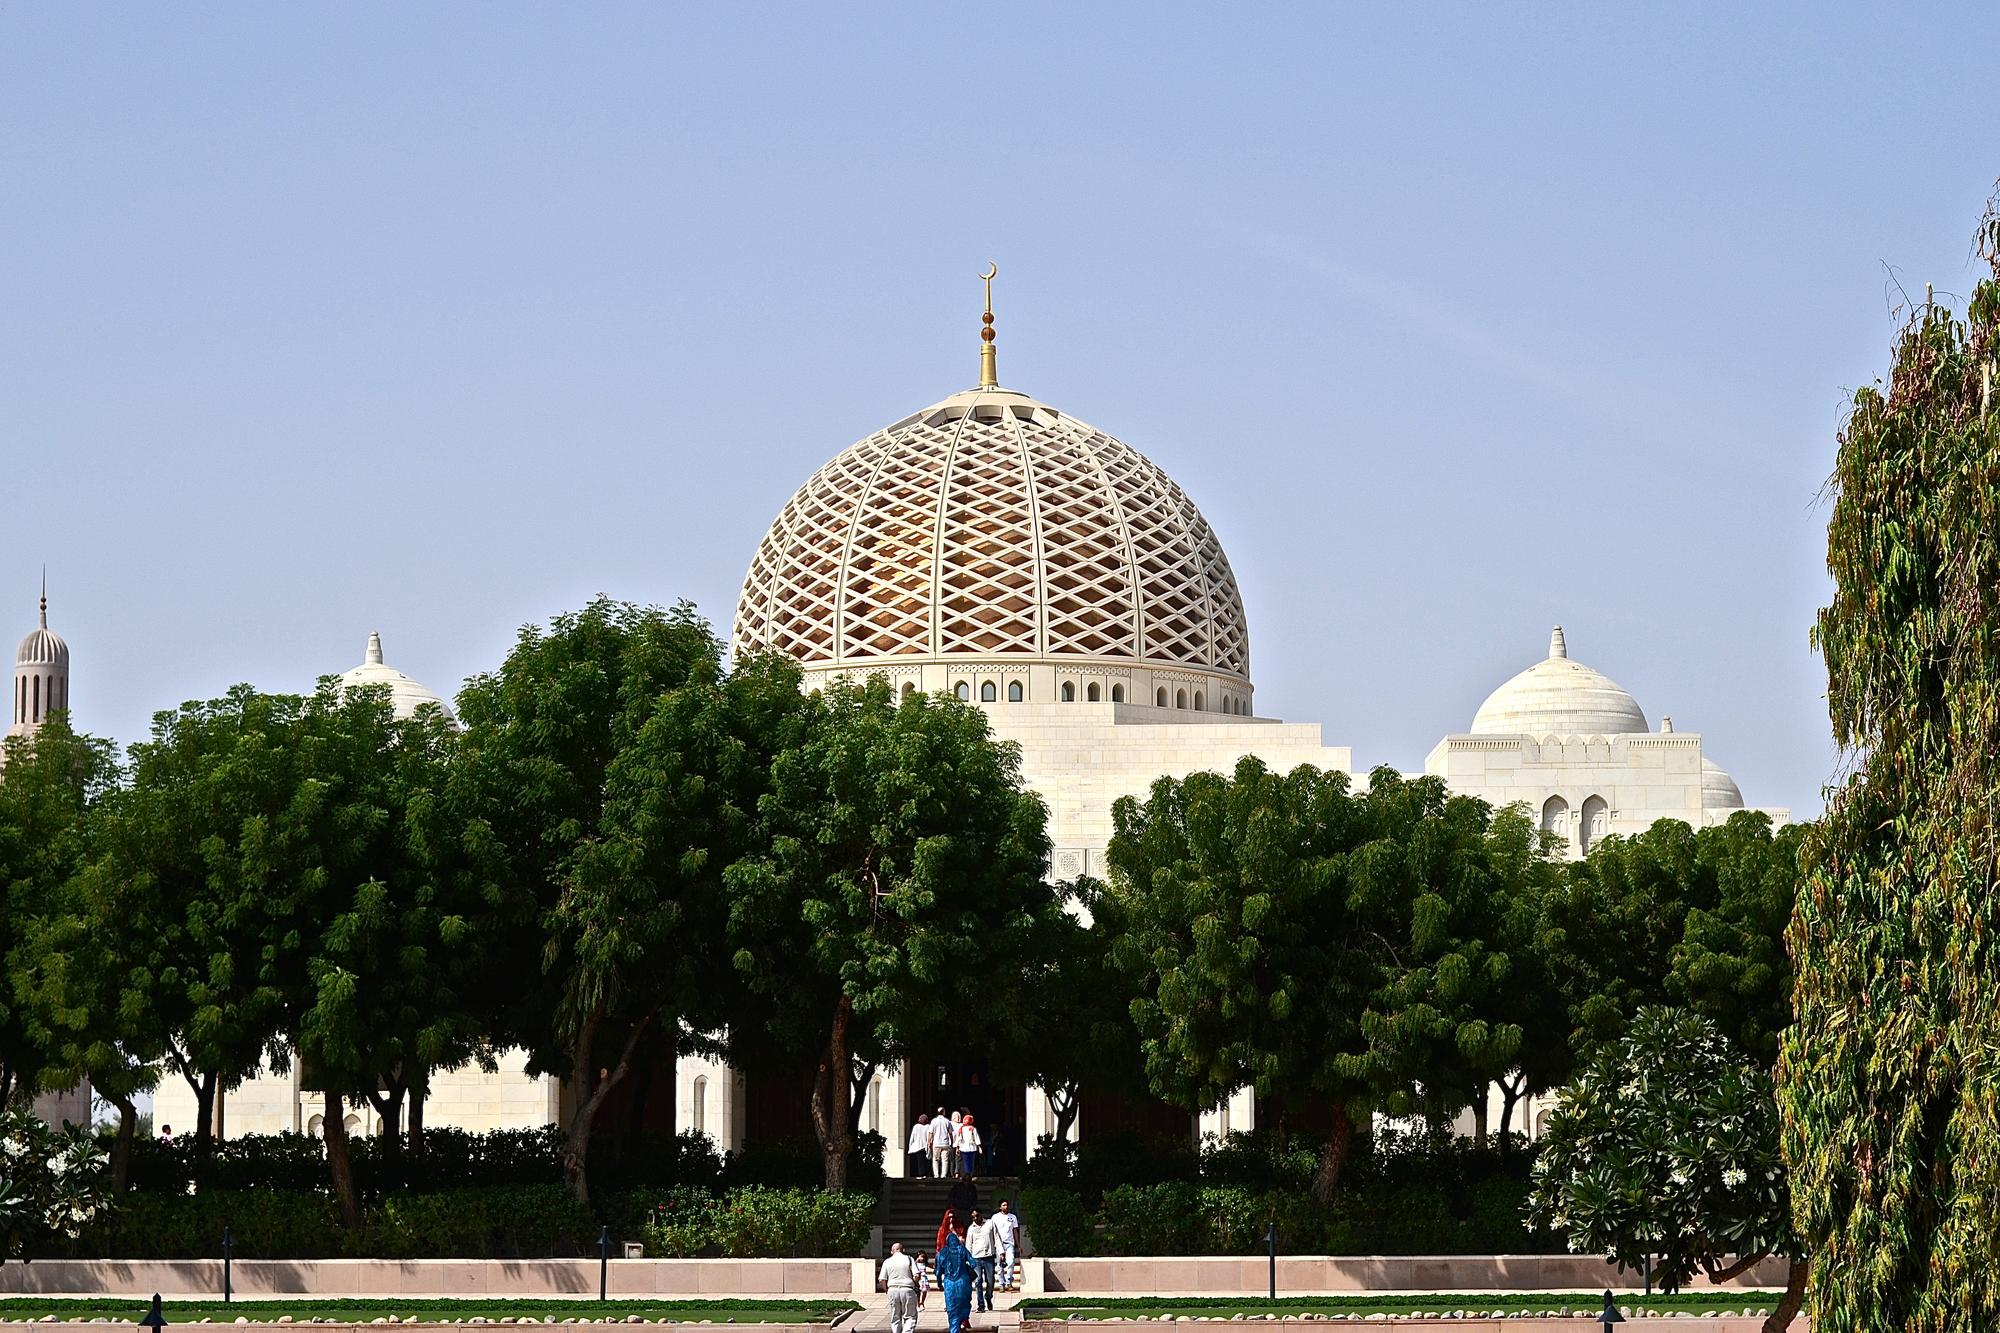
(303, 1308)
(1251, 1307)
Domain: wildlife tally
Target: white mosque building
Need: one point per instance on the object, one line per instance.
(995, 548)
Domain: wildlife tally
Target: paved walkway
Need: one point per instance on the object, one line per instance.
(873, 1316)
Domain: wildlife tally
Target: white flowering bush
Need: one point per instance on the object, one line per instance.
(53, 1183)
(1667, 1144)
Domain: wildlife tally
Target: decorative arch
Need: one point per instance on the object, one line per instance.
(1555, 816)
(1593, 822)
(1118, 694)
(1180, 698)
(1014, 694)
(963, 691)
(698, 1102)
(1160, 697)
(988, 692)
(1092, 693)
(1069, 692)
(1200, 702)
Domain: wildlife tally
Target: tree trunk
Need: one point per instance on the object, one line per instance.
(121, 1146)
(339, 1164)
(1479, 1114)
(418, 1088)
(204, 1124)
(1065, 1108)
(830, 1103)
(388, 1105)
(576, 1153)
(1339, 1139)
(1510, 1096)
(1789, 1303)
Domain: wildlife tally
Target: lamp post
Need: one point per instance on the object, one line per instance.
(228, 1254)
(155, 1318)
(1271, 1240)
(1609, 1315)
(604, 1263)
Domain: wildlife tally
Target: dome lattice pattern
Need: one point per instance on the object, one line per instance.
(991, 524)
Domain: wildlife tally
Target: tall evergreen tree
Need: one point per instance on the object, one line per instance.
(1889, 1079)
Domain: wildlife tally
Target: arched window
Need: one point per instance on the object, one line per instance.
(1092, 694)
(963, 691)
(1069, 692)
(1555, 816)
(700, 1104)
(315, 1125)
(1180, 698)
(1013, 691)
(987, 693)
(353, 1123)
(36, 694)
(1118, 694)
(1198, 704)
(1593, 823)
(1222, 1118)
(1160, 697)
(875, 1107)
(909, 688)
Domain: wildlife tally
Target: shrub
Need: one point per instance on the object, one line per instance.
(53, 1183)
(1153, 1219)
(498, 1222)
(1056, 1222)
(794, 1162)
(759, 1222)
(265, 1224)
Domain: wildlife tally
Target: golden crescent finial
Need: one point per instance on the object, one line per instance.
(988, 373)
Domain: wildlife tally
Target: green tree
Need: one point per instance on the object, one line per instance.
(53, 1182)
(1071, 1025)
(900, 872)
(385, 991)
(49, 784)
(1321, 946)
(213, 853)
(1664, 1150)
(603, 884)
(1730, 965)
(1887, 1079)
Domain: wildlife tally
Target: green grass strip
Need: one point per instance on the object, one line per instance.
(1483, 1302)
(28, 1309)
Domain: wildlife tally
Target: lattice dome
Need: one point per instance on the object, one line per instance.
(993, 526)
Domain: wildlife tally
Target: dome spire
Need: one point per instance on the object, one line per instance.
(45, 596)
(989, 372)
(1557, 648)
(374, 657)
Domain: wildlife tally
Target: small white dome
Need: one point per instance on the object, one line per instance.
(43, 647)
(1558, 697)
(406, 696)
(1718, 790)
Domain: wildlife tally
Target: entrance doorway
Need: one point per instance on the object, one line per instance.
(958, 1083)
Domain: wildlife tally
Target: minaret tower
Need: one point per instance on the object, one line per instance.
(41, 673)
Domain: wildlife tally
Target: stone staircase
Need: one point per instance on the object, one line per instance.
(910, 1209)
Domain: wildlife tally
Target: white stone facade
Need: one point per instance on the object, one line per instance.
(1548, 740)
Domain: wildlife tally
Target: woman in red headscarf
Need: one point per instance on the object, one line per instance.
(948, 1226)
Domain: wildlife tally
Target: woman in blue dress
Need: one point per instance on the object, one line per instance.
(954, 1276)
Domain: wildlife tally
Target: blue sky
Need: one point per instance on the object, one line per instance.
(1455, 321)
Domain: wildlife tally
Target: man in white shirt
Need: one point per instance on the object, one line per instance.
(941, 1145)
(919, 1149)
(899, 1275)
(1006, 1230)
(979, 1240)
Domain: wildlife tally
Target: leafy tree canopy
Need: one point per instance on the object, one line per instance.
(1664, 1150)
(897, 891)
(1888, 1078)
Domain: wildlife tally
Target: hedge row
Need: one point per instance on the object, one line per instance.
(490, 1222)
(454, 1159)
(1401, 1193)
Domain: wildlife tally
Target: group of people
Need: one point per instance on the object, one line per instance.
(966, 1259)
(945, 1146)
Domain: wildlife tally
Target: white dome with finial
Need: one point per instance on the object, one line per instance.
(406, 696)
(43, 647)
(1559, 697)
(1718, 790)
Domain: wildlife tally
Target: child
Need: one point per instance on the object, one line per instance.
(923, 1279)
